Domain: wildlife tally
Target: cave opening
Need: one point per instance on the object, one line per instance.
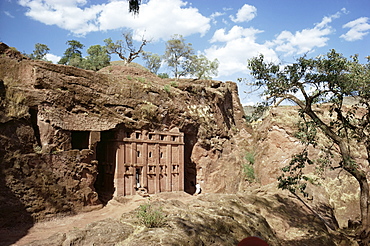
(80, 139)
(33, 117)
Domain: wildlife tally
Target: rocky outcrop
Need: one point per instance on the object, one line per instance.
(49, 167)
(332, 193)
(210, 219)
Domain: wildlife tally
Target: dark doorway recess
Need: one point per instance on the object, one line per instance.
(190, 170)
(35, 127)
(80, 140)
(105, 154)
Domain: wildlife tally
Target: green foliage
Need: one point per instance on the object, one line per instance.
(140, 79)
(202, 68)
(181, 58)
(153, 61)
(178, 56)
(249, 157)
(72, 52)
(174, 84)
(331, 79)
(39, 52)
(293, 178)
(307, 131)
(150, 216)
(247, 167)
(163, 75)
(97, 58)
(167, 88)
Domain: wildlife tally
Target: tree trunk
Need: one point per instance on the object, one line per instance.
(353, 169)
(360, 176)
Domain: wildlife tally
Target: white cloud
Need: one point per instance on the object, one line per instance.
(65, 14)
(357, 29)
(53, 58)
(239, 45)
(305, 40)
(234, 33)
(244, 14)
(158, 19)
(215, 15)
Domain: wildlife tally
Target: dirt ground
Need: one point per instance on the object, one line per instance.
(114, 209)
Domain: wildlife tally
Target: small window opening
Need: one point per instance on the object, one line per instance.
(150, 136)
(138, 154)
(137, 135)
(163, 137)
(173, 138)
(161, 154)
(150, 155)
(80, 140)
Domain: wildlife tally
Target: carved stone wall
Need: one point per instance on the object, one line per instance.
(153, 161)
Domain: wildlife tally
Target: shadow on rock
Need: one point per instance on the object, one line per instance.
(15, 221)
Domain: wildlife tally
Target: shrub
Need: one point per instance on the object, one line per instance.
(150, 217)
(140, 79)
(167, 88)
(248, 169)
(163, 75)
(174, 84)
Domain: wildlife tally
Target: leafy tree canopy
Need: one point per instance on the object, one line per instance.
(330, 79)
(39, 52)
(153, 61)
(178, 56)
(72, 52)
(97, 58)
(202, 68)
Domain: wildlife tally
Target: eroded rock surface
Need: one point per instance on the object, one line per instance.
(210, 219)
(46, 110)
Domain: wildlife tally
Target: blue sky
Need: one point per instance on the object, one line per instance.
(231, 31)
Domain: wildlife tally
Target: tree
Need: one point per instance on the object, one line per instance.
(73, 52)
(39, 52)
(153, 61)
(178, 56)
(328, 79)
(202, 68)
(97, 59)
(121, 47)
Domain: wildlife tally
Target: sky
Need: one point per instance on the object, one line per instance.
(232, 31)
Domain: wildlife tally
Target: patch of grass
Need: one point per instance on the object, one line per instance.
(16, 104)
(129, 77)
(167, 88)
(249, 157)
(150, 216)
(174, 84)
(247, 167)
(140, 79)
